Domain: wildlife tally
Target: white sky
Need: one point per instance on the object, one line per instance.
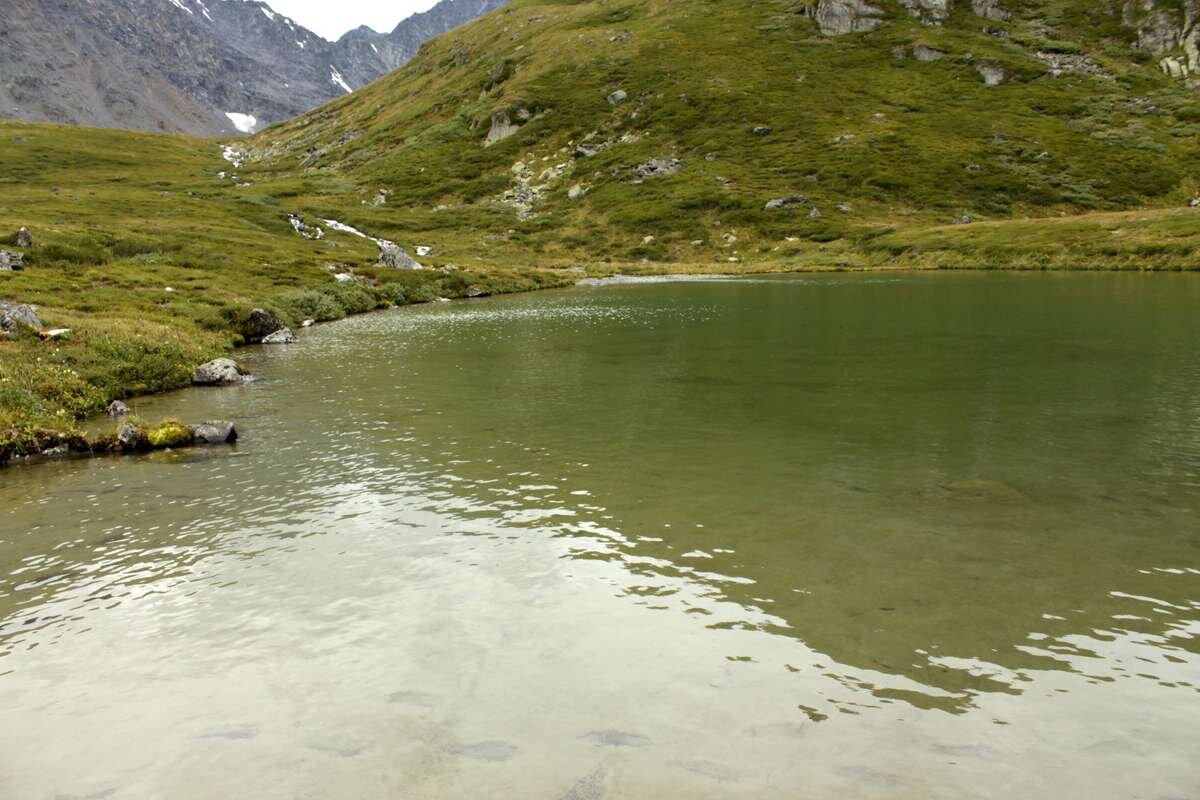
(332, 18)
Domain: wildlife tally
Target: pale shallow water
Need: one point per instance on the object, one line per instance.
(902, 536)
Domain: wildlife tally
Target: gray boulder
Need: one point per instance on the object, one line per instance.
(214, 432)
(761, 130)
(117, 409)
(131, 438)
(218, 372)
(260, 324)
(990, 9)
(13, 316)
(929, 12)
(992, 74)
(839, 17)
(659, 168)
(392, 255)
(281, 336)
(923, 53)
(24, 239)
(502, 128)
(11, 262)
(784, 202)
(1194, 202)
(618, 97)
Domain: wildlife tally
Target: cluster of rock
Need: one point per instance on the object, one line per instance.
(10, 261)
(840, 17)
(305, 230)
(130, 437)
(1169, 30)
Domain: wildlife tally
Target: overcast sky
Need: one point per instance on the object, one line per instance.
(332, 18)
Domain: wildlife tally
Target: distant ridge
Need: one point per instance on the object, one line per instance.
(207, 67)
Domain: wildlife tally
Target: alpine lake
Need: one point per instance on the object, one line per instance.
(892, 535)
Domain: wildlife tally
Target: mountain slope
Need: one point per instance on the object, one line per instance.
(215, 67)
(938, 113)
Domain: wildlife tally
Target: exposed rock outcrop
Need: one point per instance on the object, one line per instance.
(502, 128)
(929, 12)
(1169, 29)
(11, 262)
(990, 9)
(992, 74)
(24, 238)
(393, 255)
(15, 315)
(839, 17)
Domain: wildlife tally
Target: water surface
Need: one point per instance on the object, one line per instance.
(900, 536)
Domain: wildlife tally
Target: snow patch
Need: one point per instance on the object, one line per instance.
(178, 4)
(243, 122)
(266, 11)
(300, 44)
(373, 47)
(337, 79)
(334, 225)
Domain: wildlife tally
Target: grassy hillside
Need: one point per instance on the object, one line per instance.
(890, 141)
(153, 249)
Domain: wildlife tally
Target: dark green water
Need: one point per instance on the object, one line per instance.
(908, 536)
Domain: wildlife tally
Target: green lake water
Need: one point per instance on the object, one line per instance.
(840, 536)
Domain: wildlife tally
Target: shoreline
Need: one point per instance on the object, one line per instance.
(64, 443)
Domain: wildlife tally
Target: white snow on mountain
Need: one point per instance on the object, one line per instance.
(337, 78)
(243, 122)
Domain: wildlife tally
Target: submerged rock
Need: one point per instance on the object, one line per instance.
(281, 336)
(214, 432)
(218, 372)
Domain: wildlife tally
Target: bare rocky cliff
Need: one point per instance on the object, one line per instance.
(207, 67)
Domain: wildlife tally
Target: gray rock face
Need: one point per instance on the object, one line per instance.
(214, 432)
(14, 315)
(1166, 26)
(132, 438)
(839, 17)
(502, 128)
(218, 372)
(990, 9)
(929, 12)
(182, 65)
(394, 256)
(992, 74)
(260, 324)
(11, 262)
(24, 238)
(281, 336)
(784, 202)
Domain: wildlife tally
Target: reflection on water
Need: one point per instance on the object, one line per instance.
(903, 536)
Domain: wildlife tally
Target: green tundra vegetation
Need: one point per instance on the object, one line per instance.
(556, 137)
